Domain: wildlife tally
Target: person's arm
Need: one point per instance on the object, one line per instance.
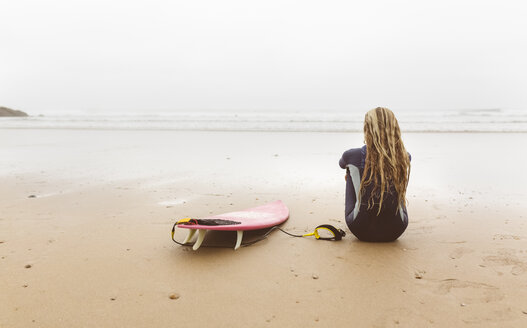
(342, 162)
(351, 161)
(352, 156)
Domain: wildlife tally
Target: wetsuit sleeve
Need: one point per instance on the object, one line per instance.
(342, 163)
(351, 160)
(351, 156)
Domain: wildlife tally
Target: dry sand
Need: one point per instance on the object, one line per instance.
(93, 248)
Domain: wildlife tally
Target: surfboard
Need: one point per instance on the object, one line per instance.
(255, 218)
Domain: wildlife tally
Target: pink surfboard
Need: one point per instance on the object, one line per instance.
(255, 218)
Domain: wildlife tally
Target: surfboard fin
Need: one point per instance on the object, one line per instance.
(191, 233)
(239, 236)
(201, 236)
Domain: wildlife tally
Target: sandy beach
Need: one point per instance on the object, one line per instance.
(85, 220)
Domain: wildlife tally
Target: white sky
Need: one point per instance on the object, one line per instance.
(314, 55)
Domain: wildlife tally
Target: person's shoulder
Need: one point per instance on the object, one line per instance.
(352, 152)
(353, 156)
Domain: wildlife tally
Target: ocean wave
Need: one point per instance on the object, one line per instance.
(489, 120)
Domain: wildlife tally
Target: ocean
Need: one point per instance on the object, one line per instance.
(487, 120)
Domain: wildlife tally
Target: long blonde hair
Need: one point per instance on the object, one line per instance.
(387, 161)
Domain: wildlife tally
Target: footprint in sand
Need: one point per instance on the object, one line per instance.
(423, 229)
(469, 292)
(459, 252)
(507, 257)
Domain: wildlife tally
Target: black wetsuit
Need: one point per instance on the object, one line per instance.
(364, 223)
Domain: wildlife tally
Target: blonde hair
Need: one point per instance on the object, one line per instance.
(387, 162)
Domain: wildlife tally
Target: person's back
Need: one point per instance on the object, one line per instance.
(377, 176)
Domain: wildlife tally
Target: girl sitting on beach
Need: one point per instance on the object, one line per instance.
(376, 179)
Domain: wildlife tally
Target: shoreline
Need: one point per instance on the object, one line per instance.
(253, 131)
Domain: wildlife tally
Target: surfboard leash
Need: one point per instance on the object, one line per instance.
(337, 234)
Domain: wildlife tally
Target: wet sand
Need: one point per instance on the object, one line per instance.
(85, 219)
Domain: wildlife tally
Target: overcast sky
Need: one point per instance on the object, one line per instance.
(145, 55)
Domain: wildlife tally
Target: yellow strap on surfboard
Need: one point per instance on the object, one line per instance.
(184, 220)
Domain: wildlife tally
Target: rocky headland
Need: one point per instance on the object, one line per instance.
(4, 112)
